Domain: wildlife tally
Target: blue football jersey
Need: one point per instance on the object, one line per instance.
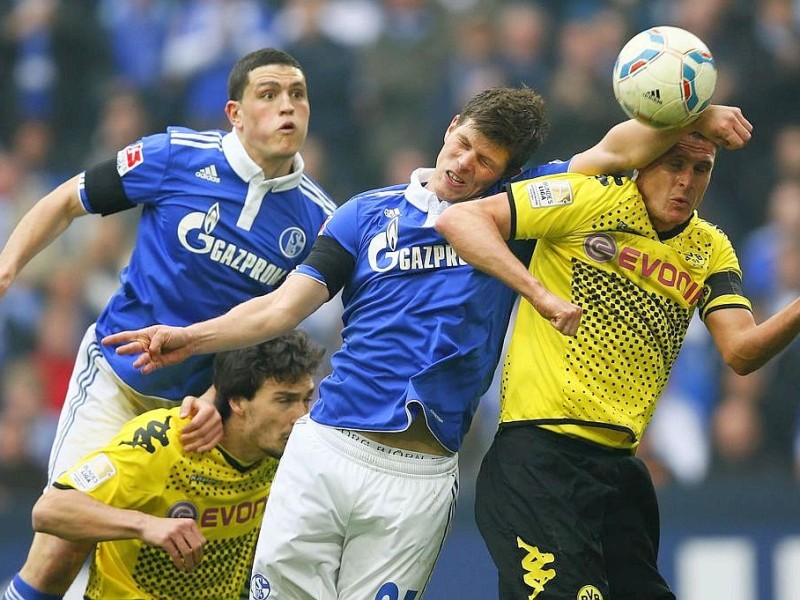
(213, 233)
(423, 330)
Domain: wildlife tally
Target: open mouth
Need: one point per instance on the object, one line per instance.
(454, 178)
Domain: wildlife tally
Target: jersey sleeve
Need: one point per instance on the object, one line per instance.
(556, 205)
(723, 286)
(332, 258)
(135, 177)
(116, 474)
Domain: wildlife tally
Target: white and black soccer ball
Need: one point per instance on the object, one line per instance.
(665, 77)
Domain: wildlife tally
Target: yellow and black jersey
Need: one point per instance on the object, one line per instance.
(597, 248)
(144, 468)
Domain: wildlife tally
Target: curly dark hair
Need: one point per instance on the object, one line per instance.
(240, 373)
(240, 74)
(510, 117)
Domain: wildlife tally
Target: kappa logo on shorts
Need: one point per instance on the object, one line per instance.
(534, 563)
(589, 592)
(260, 588)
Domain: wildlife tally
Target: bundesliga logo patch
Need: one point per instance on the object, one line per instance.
(129, 158)
(94, 472)
(543, 194)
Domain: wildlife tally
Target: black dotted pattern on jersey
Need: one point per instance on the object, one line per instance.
(618, 364)
(206, 480)
(628, 214)
(226, 563)
(221, 574)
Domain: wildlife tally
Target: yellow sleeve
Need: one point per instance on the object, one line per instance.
(723, 286)
(143, 450)
(552, 206)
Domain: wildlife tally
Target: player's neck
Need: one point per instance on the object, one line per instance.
(233, 444)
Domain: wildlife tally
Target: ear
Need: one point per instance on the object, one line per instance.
(237, 404)
(451, 127)
(232, 108)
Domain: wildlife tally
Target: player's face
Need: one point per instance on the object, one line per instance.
(674, 184)
(467, 165)
(272, 117)
(272, 412)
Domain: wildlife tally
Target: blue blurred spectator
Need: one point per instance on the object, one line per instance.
(399, 71)
(136, 31)
(204, 38)
(331, 71)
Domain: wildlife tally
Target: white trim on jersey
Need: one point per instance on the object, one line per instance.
(316, 194)
(210, 139)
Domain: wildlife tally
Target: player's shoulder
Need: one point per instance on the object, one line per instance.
(699, 225)
(566, 187)
(191, 138)
(378, 198)
(190, 146)
(371, 202)
(316, 195)
(152, 429)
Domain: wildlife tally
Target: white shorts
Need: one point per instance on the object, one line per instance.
(97, 405)
(346, 520)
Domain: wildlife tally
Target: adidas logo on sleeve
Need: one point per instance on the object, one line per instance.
(208, 173)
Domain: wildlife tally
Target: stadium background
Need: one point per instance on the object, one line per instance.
(81, 80)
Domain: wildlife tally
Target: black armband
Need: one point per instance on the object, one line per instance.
(104, 190)
(513, 211)
(332, 261)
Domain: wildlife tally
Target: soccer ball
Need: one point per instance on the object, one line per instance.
(664, 76)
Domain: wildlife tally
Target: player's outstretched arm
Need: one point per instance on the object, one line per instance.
(478, 230)
(634, 145)
(43, 223)
(76, 516)
(247, 324)
(745, 346)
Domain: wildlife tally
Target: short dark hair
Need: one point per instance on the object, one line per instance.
(241, 373)
(510, 117)
(240, 73)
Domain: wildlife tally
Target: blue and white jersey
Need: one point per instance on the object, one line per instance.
(423, 330)
(213, 233)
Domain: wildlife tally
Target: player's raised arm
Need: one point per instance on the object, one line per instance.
(249, 323)
(76, 516)
(634, 145)
(39, 227)
(478, 230)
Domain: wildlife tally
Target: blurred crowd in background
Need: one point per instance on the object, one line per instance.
(80, 80)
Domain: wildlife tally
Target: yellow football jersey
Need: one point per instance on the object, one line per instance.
(638, 290)
(144, 468)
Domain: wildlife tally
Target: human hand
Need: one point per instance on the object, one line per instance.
(725, 126)
(157, 346)
(180, 538)
(564, 316)
(204, 431)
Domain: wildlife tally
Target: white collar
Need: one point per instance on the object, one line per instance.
(247, 169)
(424, 199)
